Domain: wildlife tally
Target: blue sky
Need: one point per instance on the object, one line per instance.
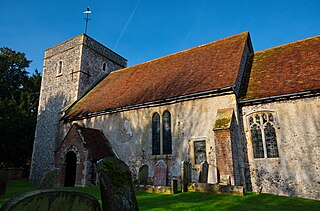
(141, 30)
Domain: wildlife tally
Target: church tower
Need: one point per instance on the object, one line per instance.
(70, 69)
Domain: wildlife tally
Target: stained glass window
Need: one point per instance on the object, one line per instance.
(251, 120)
(263, 135)
(257, 119)
(156, 134)
(264, 117)
(270, 118)
(271, 141)
(167, 138)
(257, 143)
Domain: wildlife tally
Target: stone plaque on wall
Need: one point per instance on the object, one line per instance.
(200, 152)
(160, 174)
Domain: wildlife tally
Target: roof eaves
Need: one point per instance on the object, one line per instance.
(304, 94)
(204, 94)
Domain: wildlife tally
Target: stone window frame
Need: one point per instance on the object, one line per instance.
(59, 68)
(191, 150)
(262, 125)
(161, 131)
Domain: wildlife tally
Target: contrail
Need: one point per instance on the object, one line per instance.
(125, 26)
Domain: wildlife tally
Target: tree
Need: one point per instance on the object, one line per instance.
(19, 95)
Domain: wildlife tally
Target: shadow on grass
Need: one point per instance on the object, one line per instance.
(205, 201)
(188, 201)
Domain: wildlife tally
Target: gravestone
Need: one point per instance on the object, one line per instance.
(50, 179)
(185, 175)
(53, 200)
(174, 186)
(116, 186)
(203, 177)
(3, 182)
(160, 174)
(143, 175)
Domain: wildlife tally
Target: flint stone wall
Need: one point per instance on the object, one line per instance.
(130, 133)
(81, 68)
(297, 170)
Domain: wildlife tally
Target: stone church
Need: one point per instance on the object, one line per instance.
(254, 117)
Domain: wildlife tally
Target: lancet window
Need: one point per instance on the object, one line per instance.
(161, 136)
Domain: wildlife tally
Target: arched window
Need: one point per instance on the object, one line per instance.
(166, 128)
(263, 135)
(257, 143)
(271, 141)
(104, 66)
(156, 134)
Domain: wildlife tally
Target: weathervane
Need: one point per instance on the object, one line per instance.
(87, 12)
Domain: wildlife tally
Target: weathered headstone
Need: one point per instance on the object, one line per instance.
(185, 175)
(174, 186)
(143, 175)
(50, 179)
(3, 182)
(203, 177)
(160, 174)
(116, 187)
(53, 200)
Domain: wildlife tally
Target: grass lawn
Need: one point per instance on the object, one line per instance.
(190, 201)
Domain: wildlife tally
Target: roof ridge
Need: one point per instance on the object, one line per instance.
(182, 51)
(286, 44)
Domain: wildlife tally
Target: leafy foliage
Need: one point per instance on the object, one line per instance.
(19, 95)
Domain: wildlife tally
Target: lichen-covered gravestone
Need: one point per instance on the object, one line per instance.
(143, 175)
(203, 177)
(53, 200)
(50, 179)
(116, 188)
(160, 174)
(3, 182)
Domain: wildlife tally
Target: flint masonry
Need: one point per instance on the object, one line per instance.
(253, 116)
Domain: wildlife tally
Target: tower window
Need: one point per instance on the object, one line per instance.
(104, 66)
(161, 140)
(59, 68)
(263, 135)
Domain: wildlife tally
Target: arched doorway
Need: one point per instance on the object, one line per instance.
(71, 168)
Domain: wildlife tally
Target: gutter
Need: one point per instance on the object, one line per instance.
(315, 92)
(171, 100)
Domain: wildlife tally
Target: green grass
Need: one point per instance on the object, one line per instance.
(190, 201)
(15, 188)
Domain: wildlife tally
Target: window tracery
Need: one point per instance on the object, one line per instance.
(263, 135)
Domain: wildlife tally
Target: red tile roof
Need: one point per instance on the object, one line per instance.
(203, 68)
(286, 69)
(96, 143)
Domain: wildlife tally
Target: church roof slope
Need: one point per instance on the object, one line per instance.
(204, 68)
(287, 69)
(99, 147)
